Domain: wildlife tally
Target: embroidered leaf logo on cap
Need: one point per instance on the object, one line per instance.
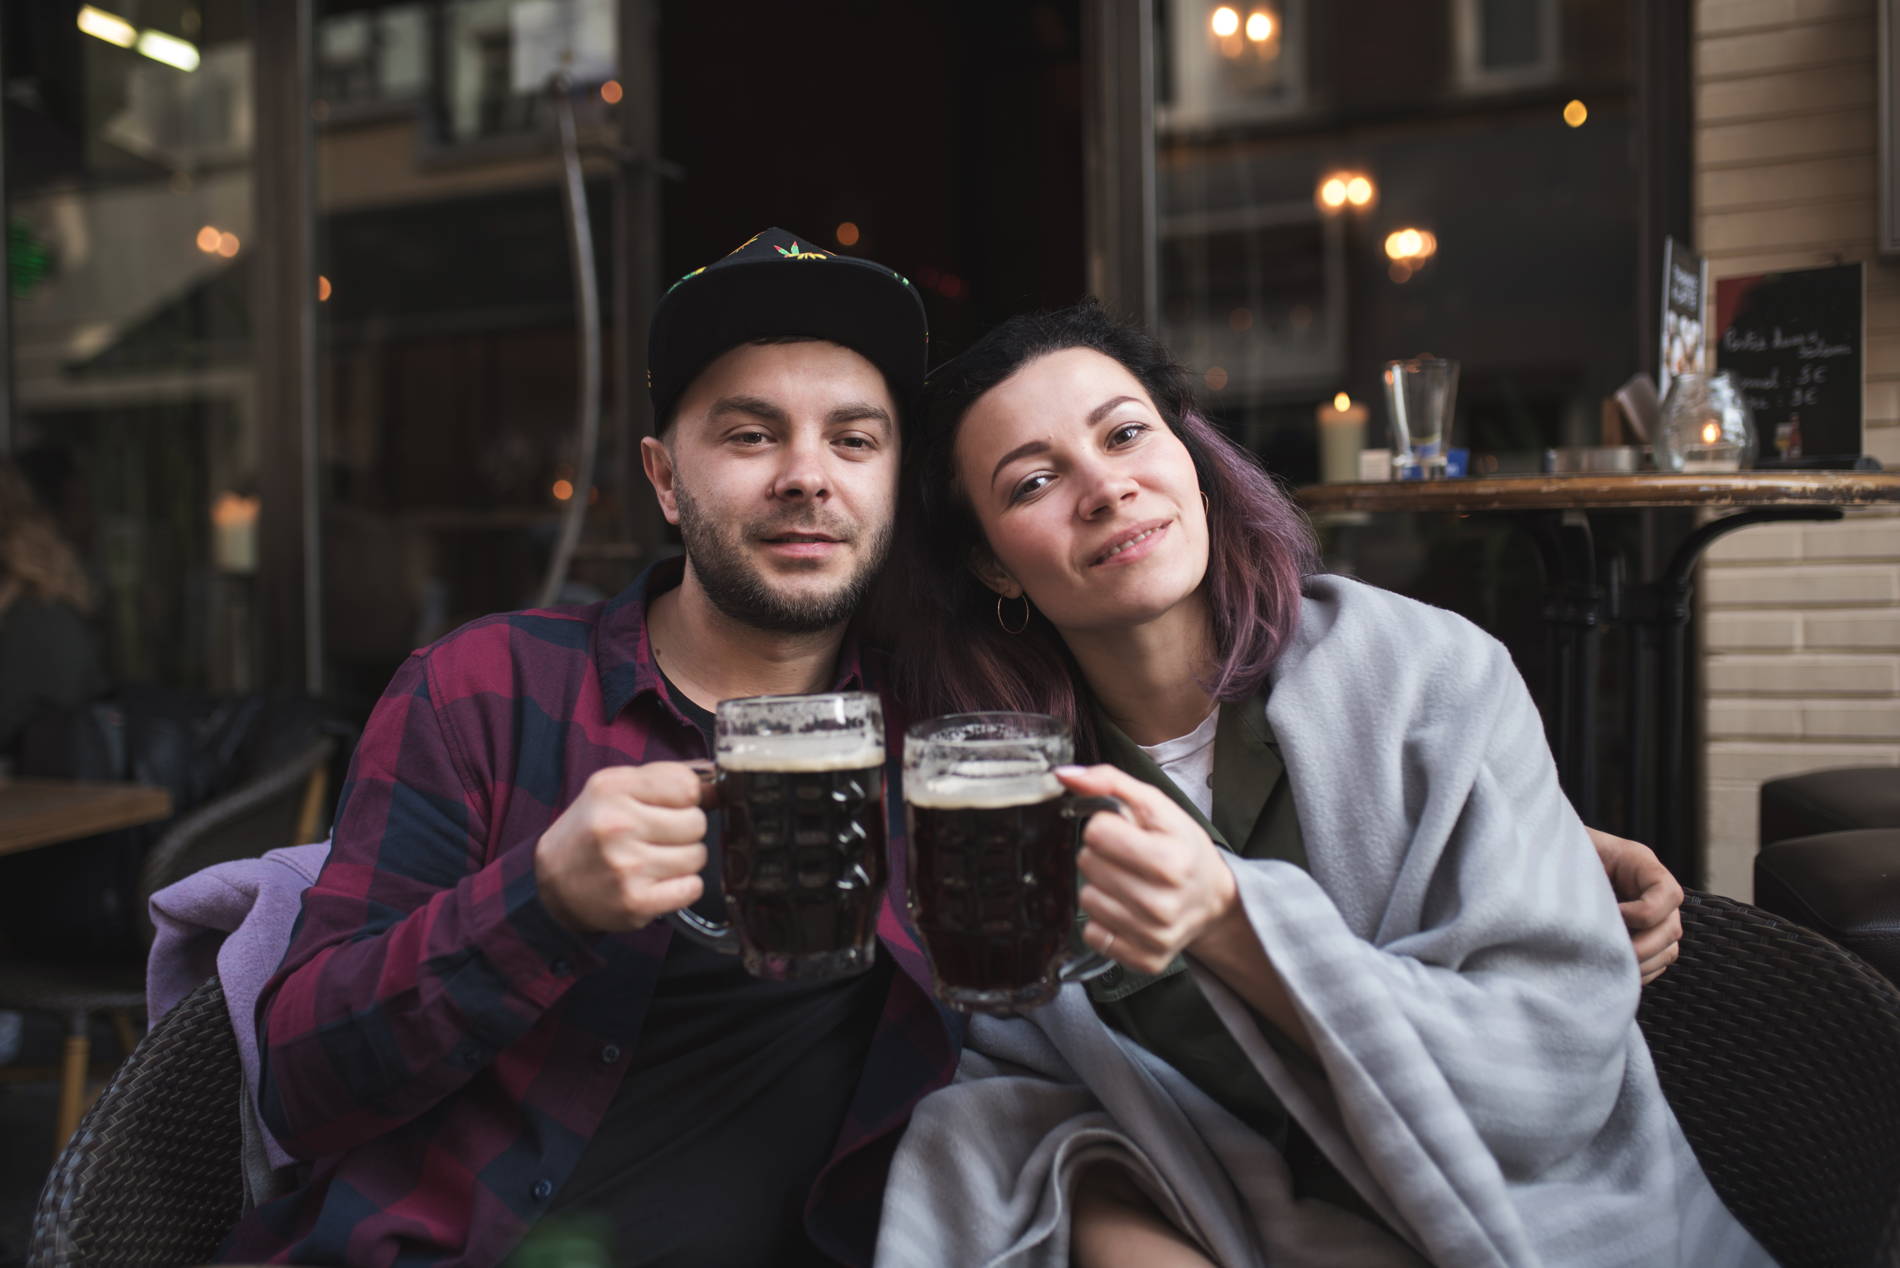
(796, 252)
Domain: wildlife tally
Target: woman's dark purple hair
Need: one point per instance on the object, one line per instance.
(954, 655)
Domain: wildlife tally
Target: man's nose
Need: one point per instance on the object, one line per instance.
(802, 473)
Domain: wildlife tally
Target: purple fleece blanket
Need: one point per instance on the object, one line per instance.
(234, 920)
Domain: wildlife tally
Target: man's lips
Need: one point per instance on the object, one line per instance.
(801, 545)
(1126, 547)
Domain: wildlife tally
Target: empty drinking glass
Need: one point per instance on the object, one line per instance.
(1419, 392)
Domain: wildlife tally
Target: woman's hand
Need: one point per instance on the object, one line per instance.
(1155, 882)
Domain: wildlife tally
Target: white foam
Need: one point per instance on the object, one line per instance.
(798, 753)
(973, 791)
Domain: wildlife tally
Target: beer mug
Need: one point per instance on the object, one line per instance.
(993, 840)
(801, 789)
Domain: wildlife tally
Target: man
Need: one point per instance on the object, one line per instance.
(482, 1019)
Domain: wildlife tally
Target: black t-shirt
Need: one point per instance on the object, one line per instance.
(731, 1104)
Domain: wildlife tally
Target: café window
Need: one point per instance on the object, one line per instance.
(1506, 44)
(1339, 197)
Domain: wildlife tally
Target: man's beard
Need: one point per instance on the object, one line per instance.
(736, 587)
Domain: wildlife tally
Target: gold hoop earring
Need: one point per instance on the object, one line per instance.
(1005, 624)
(1207, 508)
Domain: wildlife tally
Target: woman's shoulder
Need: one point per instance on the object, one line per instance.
(1344, 621)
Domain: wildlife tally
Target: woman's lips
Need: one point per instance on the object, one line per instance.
(1133, 545)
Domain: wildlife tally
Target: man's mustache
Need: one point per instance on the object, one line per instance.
(835, 529)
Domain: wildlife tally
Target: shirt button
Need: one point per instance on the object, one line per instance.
(610, 1054)
(562, 968)
(542, 1188)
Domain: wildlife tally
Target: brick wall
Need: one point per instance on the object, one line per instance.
(1801, 623)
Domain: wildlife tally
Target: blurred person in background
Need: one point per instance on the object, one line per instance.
(49, 651)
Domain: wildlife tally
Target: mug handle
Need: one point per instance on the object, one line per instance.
(1090, 963)
(721, 937)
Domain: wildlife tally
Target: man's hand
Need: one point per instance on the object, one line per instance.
(1649, 898)
(627, 851)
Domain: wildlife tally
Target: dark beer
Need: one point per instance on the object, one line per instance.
(993, 881)
(803, 864)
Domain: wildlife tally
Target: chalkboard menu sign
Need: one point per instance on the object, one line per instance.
(1793, 344)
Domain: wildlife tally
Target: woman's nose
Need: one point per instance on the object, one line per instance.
(1108, 490)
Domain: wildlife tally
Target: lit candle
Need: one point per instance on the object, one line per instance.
(1342, 434)
(234, 533)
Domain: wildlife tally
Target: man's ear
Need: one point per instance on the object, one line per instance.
(993, 574)
(657, 461)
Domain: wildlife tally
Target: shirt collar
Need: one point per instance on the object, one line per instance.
(623, 652)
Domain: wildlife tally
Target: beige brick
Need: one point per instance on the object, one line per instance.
(1765, 259)
(1884, 444)
(1852, 631)
(1782, 227)
(1732, 831)
(1809, 44)
(1852, 720)
(1751, 631)
(1808, 136)
(1803, 587)
(1752, 720)
(1802, 674)
(1816, 180)
(1752, 761)
(1774, 96)
(1883, 400)
(1862, 535)
(1758, 542)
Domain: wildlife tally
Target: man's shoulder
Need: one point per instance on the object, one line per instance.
(506, 652)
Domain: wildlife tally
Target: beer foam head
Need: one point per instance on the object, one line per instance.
(984, 785)
(816, 751)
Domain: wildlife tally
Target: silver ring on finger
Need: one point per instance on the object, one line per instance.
(1108, 941)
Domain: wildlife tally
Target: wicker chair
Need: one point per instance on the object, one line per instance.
(152, 1177)
(280, 806)
(1780, 1055)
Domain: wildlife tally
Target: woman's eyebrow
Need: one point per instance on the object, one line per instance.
(1020, 451)
(1101, 411)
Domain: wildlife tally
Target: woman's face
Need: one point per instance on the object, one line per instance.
(1088, 501)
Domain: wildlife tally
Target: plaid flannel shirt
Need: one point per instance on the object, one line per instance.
(436, 1045)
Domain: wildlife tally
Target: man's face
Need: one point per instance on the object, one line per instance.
(781, 472)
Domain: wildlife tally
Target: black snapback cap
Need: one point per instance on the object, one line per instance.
(775, 284)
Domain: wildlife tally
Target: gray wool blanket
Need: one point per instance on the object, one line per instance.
(1456, 954)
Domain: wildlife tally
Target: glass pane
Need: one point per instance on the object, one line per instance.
(1511, 33)
(448, 353)
(1369, 209)
(128, 154)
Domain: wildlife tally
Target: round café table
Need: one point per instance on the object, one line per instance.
(1584, 590)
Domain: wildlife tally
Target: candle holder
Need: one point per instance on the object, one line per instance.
(1706, 426)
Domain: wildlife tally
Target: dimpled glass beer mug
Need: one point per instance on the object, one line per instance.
(801, 788)
(1419, 392)
(993, 839)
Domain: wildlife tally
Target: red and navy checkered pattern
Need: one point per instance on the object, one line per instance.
(441, 1049)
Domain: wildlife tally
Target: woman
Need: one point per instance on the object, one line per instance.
(1396, 1023)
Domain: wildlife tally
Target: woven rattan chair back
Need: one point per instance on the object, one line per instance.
(153, 1176)
(1780, 1055)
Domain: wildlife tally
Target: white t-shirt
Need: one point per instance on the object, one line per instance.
(1188, 760)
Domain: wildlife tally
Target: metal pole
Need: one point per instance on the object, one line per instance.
(290, 574)
(1118, 138)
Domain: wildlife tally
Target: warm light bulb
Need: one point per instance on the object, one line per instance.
(1333, 192)
(1575, 113)
(563, 490)
(848, 234)
(1358, 191)
(1226, 21)
(611, 92)
(1259, 27)
(1342, 402)
(208, 239)
(109, 27)
(323, 288)
(228, 245)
